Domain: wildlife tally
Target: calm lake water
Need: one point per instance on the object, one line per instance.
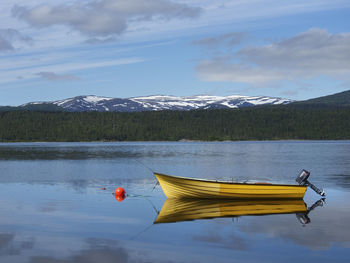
(53, 208)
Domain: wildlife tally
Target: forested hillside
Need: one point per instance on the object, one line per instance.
(341, 99)
(266, 123)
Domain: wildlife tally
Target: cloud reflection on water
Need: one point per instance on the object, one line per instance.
(9, 246)
(92, 255)
(327, 228)
(230, 241)
(98, 250)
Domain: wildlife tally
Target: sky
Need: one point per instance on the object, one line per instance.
(58, 49)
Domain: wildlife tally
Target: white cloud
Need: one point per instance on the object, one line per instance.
(9, 37)
(5, 45)
(220, 69)
(55, 77)
(310, 54)
(60, 22)
(104, 17)
(63, 23)
(55, 67)
(316, 51)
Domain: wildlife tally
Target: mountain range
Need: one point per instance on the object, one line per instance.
(153, 103)
(160, 102)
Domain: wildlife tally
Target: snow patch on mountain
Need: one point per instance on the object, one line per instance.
(95, 99)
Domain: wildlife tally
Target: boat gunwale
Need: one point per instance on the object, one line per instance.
(226, 182)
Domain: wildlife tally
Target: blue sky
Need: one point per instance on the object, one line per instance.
(51, 50)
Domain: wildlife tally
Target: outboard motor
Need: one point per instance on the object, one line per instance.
(302, 180)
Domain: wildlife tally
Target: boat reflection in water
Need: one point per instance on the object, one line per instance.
(177, 210)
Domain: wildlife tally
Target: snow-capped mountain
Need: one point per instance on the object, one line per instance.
(160, 102)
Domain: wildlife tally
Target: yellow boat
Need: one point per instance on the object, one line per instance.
(177, 210)
(182, 187)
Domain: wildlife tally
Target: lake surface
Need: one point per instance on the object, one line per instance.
(53, 209)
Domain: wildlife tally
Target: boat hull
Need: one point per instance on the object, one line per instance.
(182, 187)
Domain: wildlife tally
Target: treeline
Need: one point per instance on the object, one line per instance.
(266, 123)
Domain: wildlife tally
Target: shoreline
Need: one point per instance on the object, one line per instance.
(181, 141)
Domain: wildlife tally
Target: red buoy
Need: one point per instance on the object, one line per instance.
(119, 192)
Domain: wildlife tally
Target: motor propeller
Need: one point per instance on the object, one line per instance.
(302, 180)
